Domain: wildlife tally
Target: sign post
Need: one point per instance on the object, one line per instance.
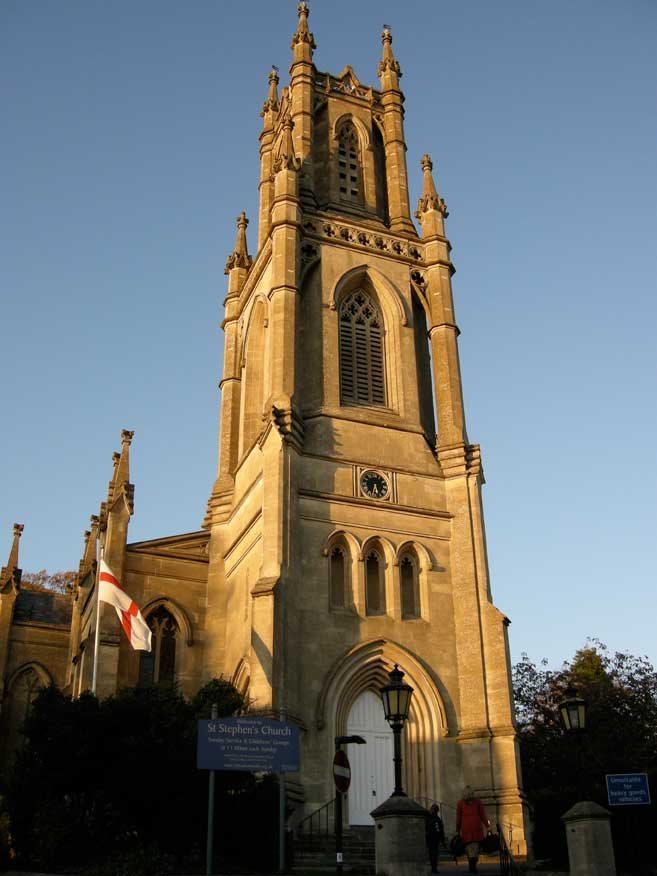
(209, 849)
(252, 745)
(342, 779)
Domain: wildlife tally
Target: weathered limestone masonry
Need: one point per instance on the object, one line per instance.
(346, 530)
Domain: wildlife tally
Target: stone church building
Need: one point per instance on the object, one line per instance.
(344, 531)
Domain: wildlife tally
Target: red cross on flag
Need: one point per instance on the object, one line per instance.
(134, 625)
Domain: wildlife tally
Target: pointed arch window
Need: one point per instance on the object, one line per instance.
(350, 174)
(159, 666)
(375, 594)
(362, 380)
(18, 705)
(410, 587)
(338, 577)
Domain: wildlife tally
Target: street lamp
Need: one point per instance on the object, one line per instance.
(396, 696)
(572, 710)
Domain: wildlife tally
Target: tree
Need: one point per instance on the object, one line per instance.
(111, 786)
(55, 582)
(621, 736)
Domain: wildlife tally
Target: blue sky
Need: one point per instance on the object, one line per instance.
(130, 144)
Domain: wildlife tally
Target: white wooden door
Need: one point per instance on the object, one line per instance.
(372, 768)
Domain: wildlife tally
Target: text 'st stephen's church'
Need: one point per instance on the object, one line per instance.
(344, 531)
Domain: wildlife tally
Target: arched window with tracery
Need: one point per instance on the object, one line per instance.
(375, 593)
(18, 705)
(338, 572)
(350, 173)
(159, 666)
(362, 379)
(410, 587)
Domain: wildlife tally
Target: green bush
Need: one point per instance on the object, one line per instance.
(111, 787)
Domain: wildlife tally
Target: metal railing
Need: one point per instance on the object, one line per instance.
(318, 825)
(508, 866)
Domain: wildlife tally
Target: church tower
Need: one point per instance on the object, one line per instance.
(346, 526)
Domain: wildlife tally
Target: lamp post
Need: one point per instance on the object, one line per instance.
(340, 741)
(572, 711)
(396, 696)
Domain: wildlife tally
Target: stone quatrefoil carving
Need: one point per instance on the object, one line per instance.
(333, 230)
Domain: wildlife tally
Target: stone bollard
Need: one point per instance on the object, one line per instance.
(590, 849)
(399, 838)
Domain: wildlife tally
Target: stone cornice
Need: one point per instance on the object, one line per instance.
(374, 505)
(462, 459)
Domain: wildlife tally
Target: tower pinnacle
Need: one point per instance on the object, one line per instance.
(388, 64)
(11, 573)
(430, 199)
(271, 104)
(240, 257)
(303, 41)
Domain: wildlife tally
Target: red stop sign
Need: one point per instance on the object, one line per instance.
(341, 772)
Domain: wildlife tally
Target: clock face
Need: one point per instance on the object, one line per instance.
(374, 485)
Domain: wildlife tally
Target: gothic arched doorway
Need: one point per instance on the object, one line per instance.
(372, 773)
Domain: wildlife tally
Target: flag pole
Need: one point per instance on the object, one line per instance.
(97, 634)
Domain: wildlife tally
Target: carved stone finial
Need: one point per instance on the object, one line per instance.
(126, 436)
(272, 104)
(388, 61)
(240, 257)
(302, 33)
(430, 199)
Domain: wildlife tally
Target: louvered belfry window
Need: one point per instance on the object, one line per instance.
(361, 351)
(349, 172)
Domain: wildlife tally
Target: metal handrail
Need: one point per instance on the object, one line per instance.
(318, 824)
(508, 866)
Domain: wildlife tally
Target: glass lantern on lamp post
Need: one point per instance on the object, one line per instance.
(396, 696)
(572, 710)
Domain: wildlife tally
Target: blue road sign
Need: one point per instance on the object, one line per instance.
(252, 745)
(628, 789)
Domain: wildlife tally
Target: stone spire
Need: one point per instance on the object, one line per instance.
(286, 158)
(271, 104)
(239, 258)
(430, 200)
(303, 41)
(389, 69)
(11, 574)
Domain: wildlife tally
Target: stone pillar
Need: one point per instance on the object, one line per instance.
(399, 839)
(590, 849)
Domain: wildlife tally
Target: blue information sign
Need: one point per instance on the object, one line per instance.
(628, 789)
(252, 745)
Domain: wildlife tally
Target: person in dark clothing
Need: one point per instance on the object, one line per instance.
(435, 835)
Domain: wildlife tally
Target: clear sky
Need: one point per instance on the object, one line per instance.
(130, 144)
